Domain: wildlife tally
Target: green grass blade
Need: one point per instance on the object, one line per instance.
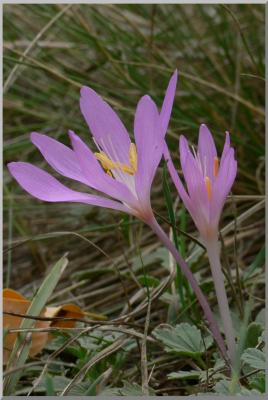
(180, 281)
(22, 345)
(257, 263)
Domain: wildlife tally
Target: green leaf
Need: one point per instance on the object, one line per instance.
(183, 339)
(21, 347)
(257, 263)
(185, 375)
(262, 338)
(49, 384)
(260, 318)
(255, 358)
(200, 375)
(258, 381)
(225, 387)
(253, 333)
(222, 387)
(59, 384)
(149, 281)
(247, 392)
(129, 389)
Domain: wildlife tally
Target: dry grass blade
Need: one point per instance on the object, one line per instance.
(52, 356)
(11, 77)
(102, 354)
(144, 366)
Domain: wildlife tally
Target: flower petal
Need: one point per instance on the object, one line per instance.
(206, 150)
(176, 179)
(196, 186)
(223, 184)
(192, 207)
(44, 186)
(226, 147)
(147, 131)
(106, 127)
(95, 175)
(168, 102)
(184, 150)
(59, 156)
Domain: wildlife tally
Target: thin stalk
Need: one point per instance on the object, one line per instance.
(218, 278)
(179, 278)
(191, 279)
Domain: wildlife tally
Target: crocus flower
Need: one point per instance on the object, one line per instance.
(120, 170)
(209, 181)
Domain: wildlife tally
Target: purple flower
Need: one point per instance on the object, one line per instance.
(208, 180)
(121, 171)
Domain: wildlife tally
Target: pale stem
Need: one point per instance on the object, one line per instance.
(218, 278)
(191, 279)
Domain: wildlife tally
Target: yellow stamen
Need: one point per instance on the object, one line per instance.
(215, 166)
(126, 168)
(208, 187)
(133, 158)
(108, 164)
(105, 161)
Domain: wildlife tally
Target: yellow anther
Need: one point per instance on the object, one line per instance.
(208, 187)
(108, 164)
(133, 158)
(215, 166)
(127, 169)
(105, 161)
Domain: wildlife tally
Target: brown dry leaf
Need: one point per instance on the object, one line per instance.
(14, 302)
(66, 311)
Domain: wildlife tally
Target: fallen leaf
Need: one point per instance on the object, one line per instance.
(14, 302)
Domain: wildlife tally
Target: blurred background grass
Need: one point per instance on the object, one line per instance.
(124, 52)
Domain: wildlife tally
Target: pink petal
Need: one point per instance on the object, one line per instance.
(168, 102)
(44, 186)
(196, 187)
(206, 150)
(176, 179)
(107, 129)
(59, 156)
(223, 184)
(95, 175)
(188, 202)
(147, 131)
(184, 150)
(226, 147)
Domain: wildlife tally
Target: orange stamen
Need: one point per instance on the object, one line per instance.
(208, 187)
(215, 166)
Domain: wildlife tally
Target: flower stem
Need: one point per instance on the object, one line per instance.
(218, 278)
(191, 279)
